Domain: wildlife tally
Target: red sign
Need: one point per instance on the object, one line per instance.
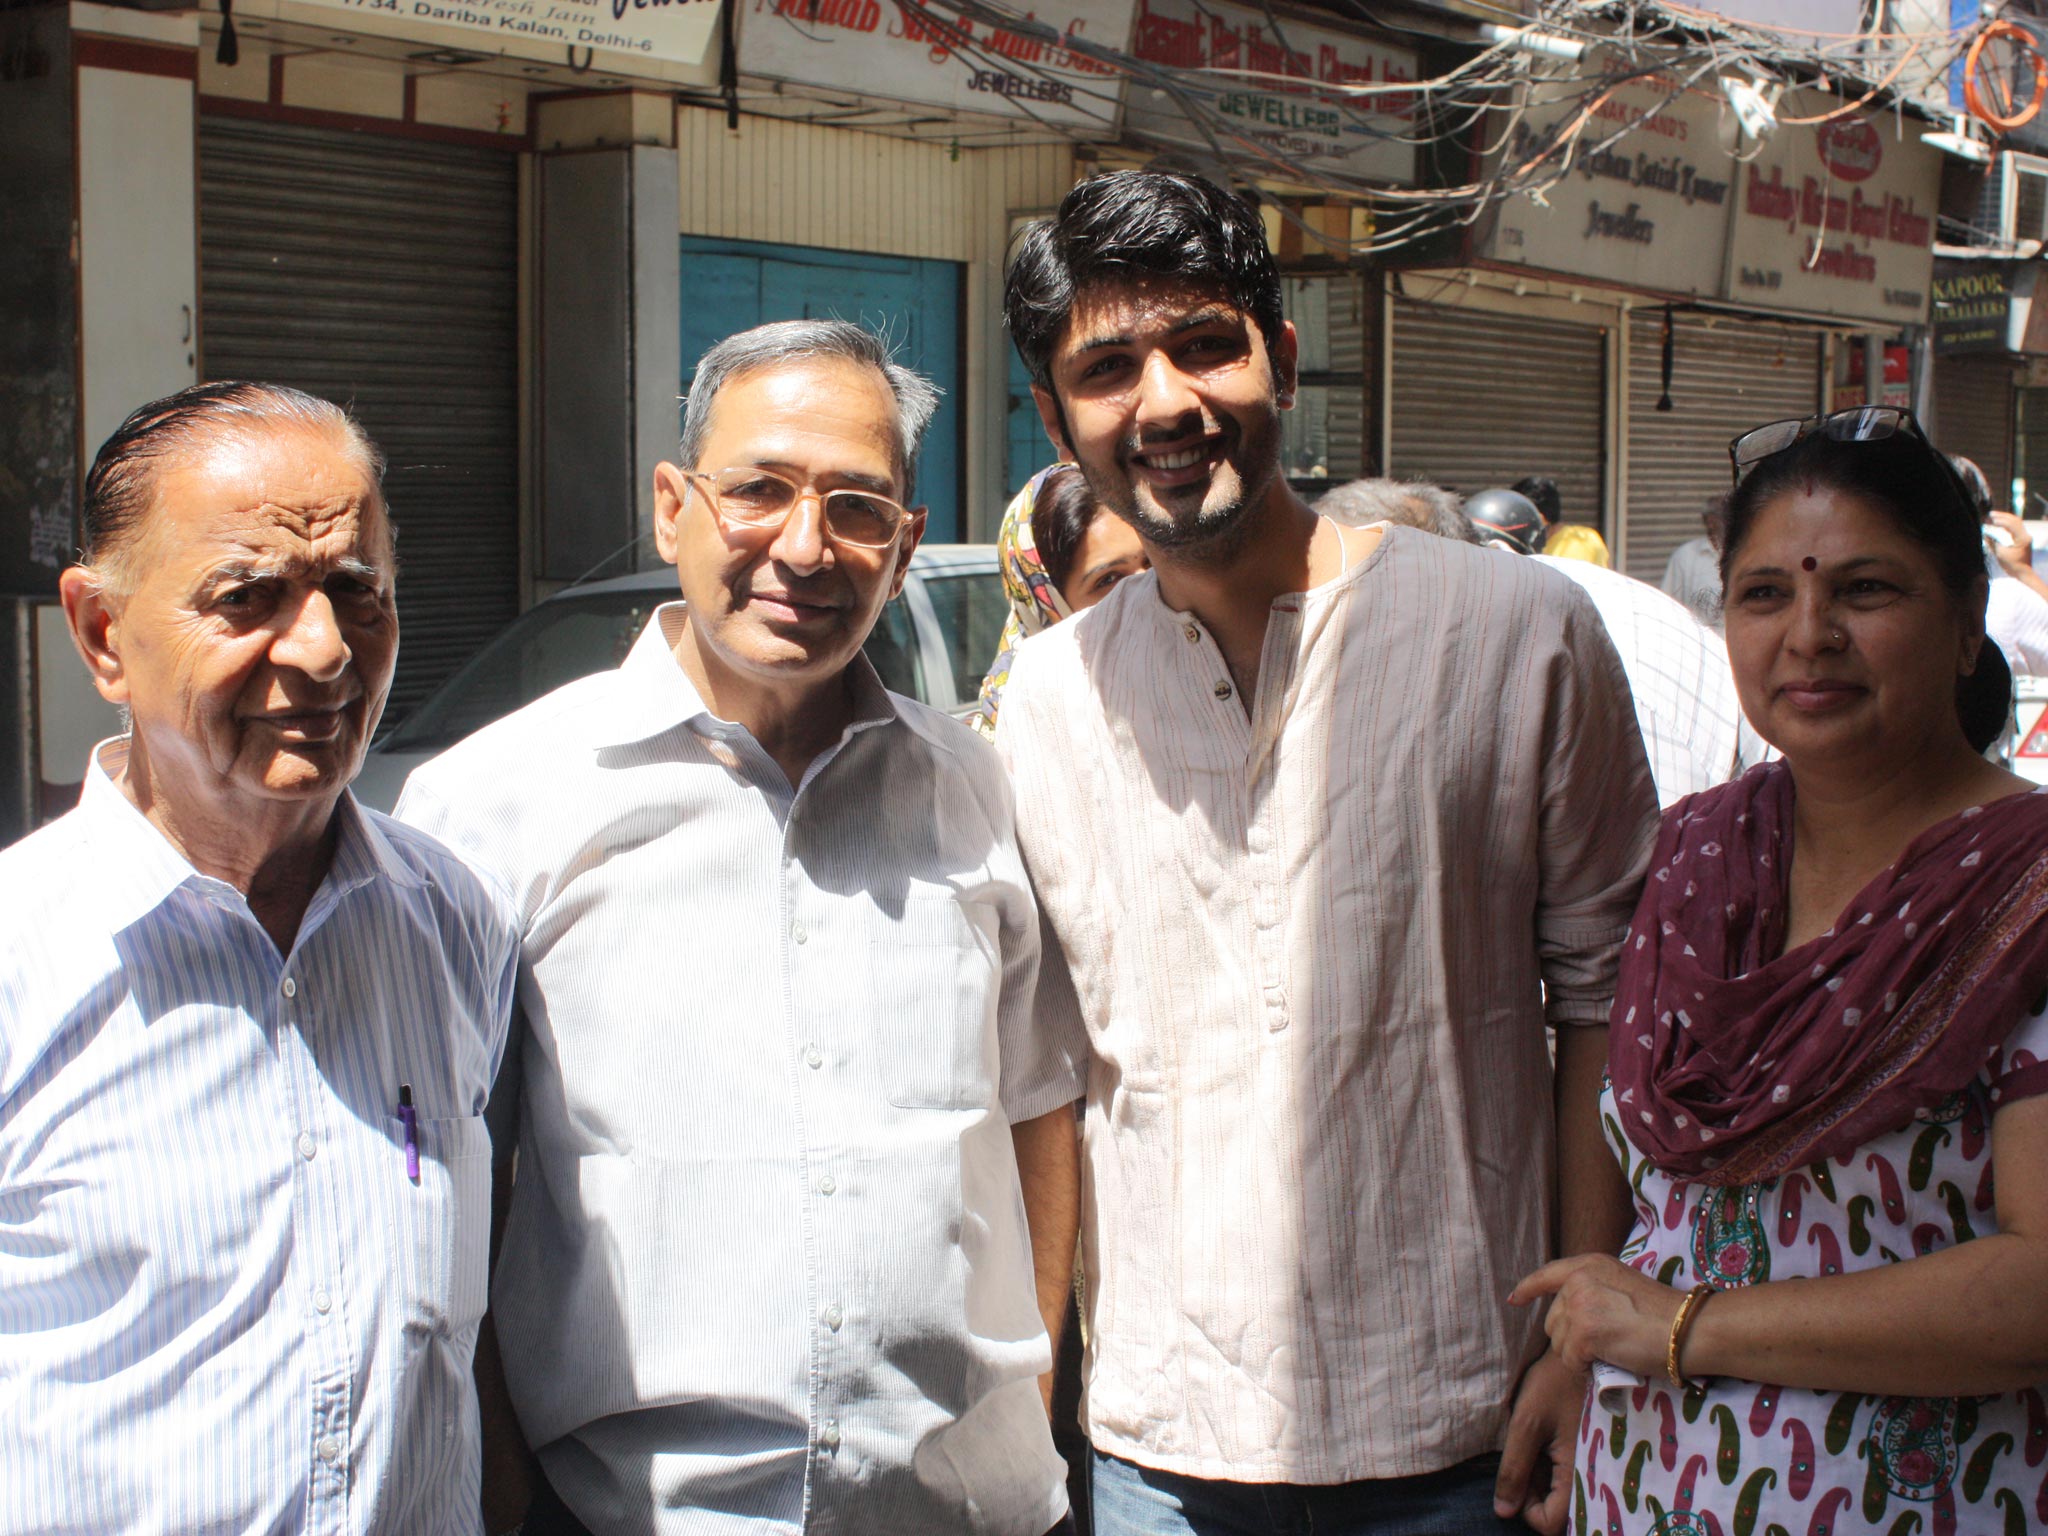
(1850, 148)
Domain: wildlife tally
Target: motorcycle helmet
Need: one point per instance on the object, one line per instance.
(1507, 518)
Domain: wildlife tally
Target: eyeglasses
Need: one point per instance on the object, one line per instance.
(760, 498)
(1858, 424)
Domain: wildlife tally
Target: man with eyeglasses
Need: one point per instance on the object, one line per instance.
(785, 1131)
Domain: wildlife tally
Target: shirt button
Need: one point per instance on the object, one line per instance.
(800, 934)
(1192, 633)
(834, 1318)
(291, 988)
(814, 1058)
(306, 1145)
(1223, 690)
(322, 1302)
(329, 1449)
(828, 1185)
(828, 1434)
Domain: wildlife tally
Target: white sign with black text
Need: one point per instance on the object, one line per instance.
(904, 50)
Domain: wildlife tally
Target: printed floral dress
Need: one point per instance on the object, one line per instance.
(1732, 1458)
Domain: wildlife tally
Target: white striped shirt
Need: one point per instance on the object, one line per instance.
(1313, 946)
(1679, 677)
(224, 1306)
(766, 1268)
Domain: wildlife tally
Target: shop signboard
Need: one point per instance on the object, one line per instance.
(1648, 209)
(911, 51)
(669, 31)
(1247, 100)
(1988, 306)
(1837, 218)
(1972, 306)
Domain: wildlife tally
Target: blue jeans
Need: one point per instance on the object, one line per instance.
(1131, 1500)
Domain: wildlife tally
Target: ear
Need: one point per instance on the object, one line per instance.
(913, 534)
(1286, 354)
(95, 625)
(1055, 424)
(671, 498)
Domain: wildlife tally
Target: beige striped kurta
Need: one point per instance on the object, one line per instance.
(1311, 948)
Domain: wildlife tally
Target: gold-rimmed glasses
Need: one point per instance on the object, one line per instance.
(750, 498)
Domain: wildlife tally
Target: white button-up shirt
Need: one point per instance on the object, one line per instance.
(224, 1304)
(1313, 947)
(1678, 673)
(766, 1268)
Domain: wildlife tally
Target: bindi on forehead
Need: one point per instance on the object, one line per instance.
(1809, 564)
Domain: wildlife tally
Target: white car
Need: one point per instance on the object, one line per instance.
(933, 643)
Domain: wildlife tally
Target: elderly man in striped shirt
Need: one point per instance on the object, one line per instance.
(768, 1266)
(1329, 824)
(247, 1027)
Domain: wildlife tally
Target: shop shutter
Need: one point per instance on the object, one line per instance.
(382, 273)
(1973, 409)
(1482, 399)
(1726, 377)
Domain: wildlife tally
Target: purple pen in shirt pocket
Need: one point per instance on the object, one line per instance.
(410, 1117)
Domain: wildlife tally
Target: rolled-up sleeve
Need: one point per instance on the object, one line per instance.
(1598, 818)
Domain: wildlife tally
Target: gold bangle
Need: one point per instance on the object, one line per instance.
(1679, 1326)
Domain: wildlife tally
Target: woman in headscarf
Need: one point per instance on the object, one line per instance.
(1828, 1035)
(1061, 551)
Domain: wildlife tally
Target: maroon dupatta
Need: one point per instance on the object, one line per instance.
(1731, 1066)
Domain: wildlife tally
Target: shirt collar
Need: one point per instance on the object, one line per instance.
(654, 693)
(142, 870)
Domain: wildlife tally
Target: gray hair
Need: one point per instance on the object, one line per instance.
(1411, 503)
(121, 486)
(786, 341)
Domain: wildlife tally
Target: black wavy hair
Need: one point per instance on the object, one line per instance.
(1130, 226)
(1912, 484)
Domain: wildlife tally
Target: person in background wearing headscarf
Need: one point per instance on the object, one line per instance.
(1060, 554)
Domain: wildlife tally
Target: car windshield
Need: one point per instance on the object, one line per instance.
(569, 637)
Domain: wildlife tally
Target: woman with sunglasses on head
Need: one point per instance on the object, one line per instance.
(1061, 551)
(1828, 1033)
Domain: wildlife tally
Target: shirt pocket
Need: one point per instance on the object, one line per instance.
(451, 1223)
(938, 974)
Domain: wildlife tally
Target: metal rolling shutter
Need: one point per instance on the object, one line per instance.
(382, 273)
(1973, 409)
(1726, 377)
(1482, 399)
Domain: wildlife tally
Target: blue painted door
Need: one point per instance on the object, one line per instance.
(1029, 448)
(729, 285)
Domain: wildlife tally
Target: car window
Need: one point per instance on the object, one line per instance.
(558, 641)
(550, 644)
(971, 610)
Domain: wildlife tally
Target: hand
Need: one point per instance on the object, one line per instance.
(1603, 1311)
(1543, 1434)
(2018, 555)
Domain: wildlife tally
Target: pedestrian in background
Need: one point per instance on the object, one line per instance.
(1829, 1088)
(1060, 552)
(1573, 541)
(788, 1141)
(1693, 573)
(1282, 797)
(2016, 603)
(247, 1026)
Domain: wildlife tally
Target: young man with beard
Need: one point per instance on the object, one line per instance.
(1329, 824)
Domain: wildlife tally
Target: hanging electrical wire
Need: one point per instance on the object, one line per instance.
(1542, 96)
